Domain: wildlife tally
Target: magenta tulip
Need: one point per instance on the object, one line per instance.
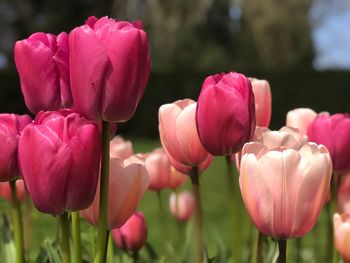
(11, 126)
(300, 118)
(179, 137)
(333, 132)
(225, 113)
(120, 148)
(132, 235)
(263, 101)
(5, 190)
(42, 61)
(182, 205)
(341, 231)
(109, 68)
(60, 158)
(284, 184)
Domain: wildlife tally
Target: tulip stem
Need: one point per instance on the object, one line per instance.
(110, 249)
(17, 224)
(76, 236)
(282, 247)
(65, 238)
(259, 248)
(102, 222)
(198, 215)
(331, 210)
(162, 223)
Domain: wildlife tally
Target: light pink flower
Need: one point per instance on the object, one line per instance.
(300, 119)
(263, 101)
(182, 205)
(120, 148)
(341, 225)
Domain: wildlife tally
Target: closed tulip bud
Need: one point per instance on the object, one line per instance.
(179, 137)
(182, 205)
(132, 235)
(120, 148)
(333, 132)
(284, 184)
(263, 101)
(225, 113)
(300, 119)
(60, 158)
(341, 231)
(109, 68)
(42, 62)
(5, 190)
(11, 126)
(128, 181)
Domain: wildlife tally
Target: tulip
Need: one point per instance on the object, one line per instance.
(182, 205)
(120, 148)
(11, 126)
(133, 234)
(128, 180)
(300, 118)
(60, 157)
(178, 134)
(342, 235)
(161, 173)
(5, 190)
(343, 195)
(262, 94)
(42, 62)
(109, 68)
(284, 183)
(225, 114)
(333, 132)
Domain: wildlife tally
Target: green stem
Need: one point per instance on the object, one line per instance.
(198, 215)
(17, 224)
(298, 250)
(332, 208)
(65, 238)
(259, 248)
(102, 222)
(110, 249)
(135, 256)
(162, 220)
(282, 247)
(76, 236)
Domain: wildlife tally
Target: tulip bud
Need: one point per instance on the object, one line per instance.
(262, 94)
(179, 137)
(341, 231)
(333, 132)
(120, 148)
(300, 118)
(42, 62)
(225, 113)
(161, 173)
(11, 126)
(284, 183)
(182, 205)
(109, 68)
(60, 158)
(5, 190)
(133, 234)
(128, 181)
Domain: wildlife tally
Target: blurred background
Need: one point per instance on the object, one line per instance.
(301, 46)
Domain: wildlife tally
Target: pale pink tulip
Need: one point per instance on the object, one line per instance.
(263, 101)
(120, 148)
(284, 182)
(179, 137)
(343, 194)
(128, 180)
(300, 119)
(342, 235)
(182, 205)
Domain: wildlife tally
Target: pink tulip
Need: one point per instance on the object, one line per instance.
(128, 180)
(300, 118)
(11, 126)
(343, 194)
(284, 183)
(133, 234)
(341, 225)
(42, 61)
(262, 94)
(161, 173)
(109, 68)
(333, 132)
(225, 114)
(182, 205)
(5, 190)
(120, 148)
(179, 137)
(60, 158)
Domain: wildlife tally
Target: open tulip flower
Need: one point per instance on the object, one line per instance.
(341, 225)
(109, 68)
(128, 181)
(300, 119)
(120, 148)
(284, 182)
(263, 101)
(60, 157)
(42, 62)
